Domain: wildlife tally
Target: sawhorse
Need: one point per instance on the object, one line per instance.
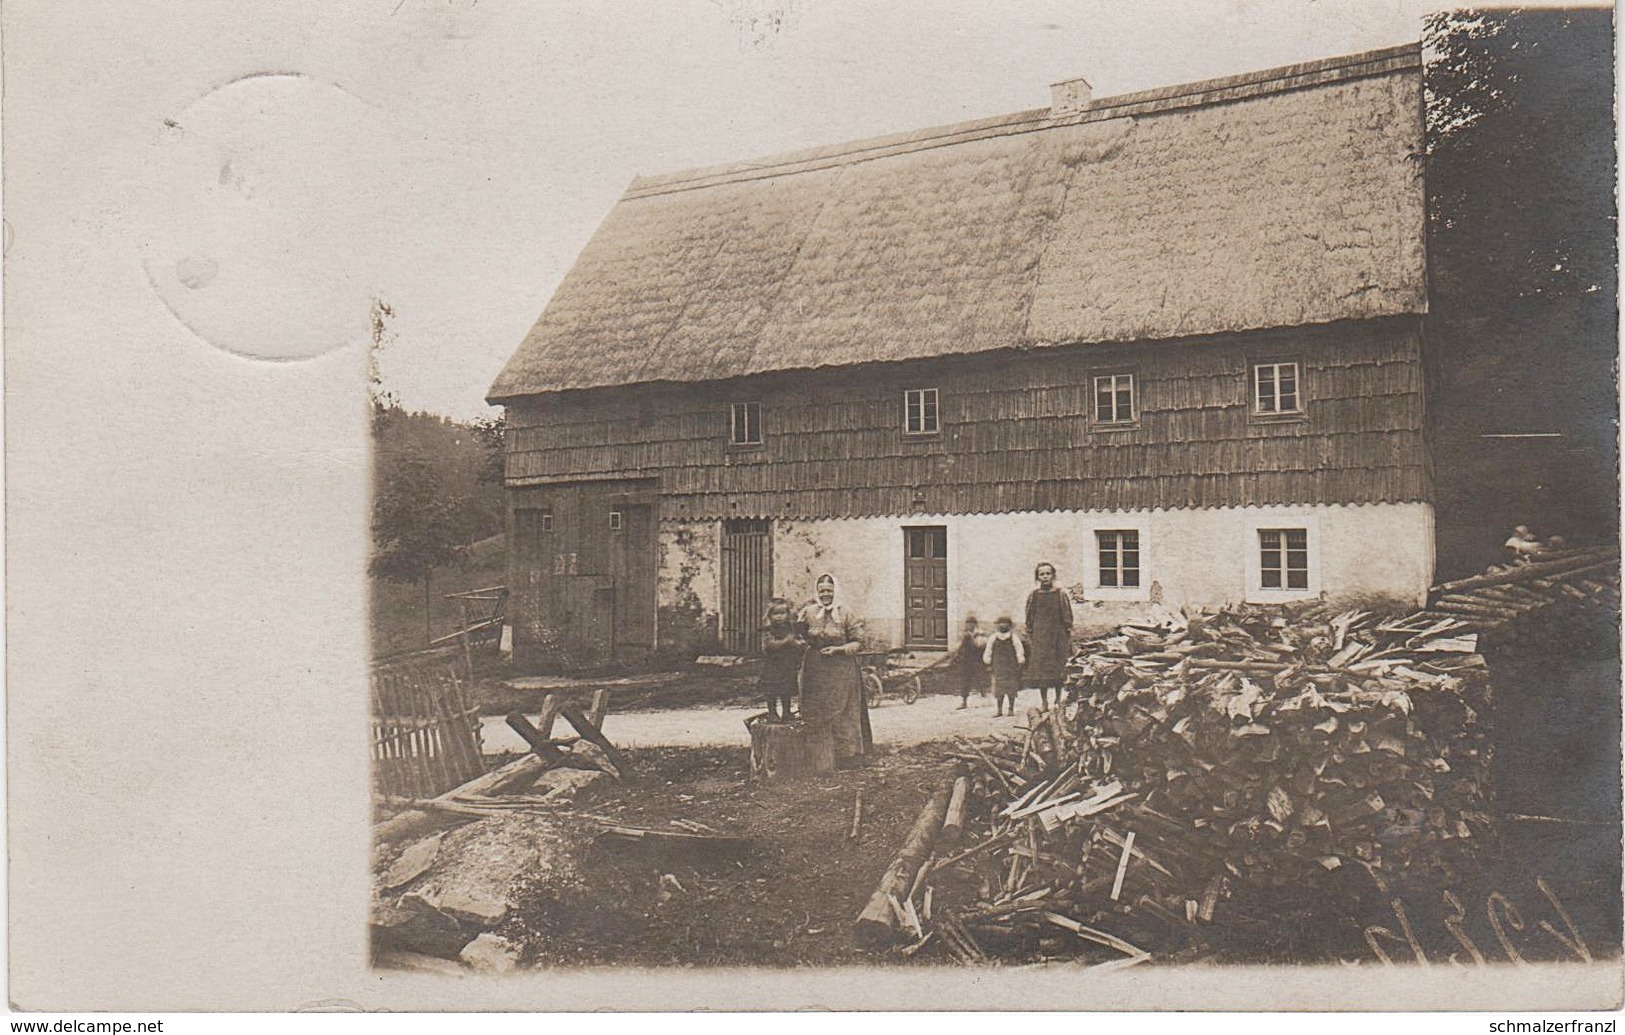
(588, 726)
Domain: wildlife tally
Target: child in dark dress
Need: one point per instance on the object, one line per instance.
(781, 659)
(1006, 656)
(968, 667)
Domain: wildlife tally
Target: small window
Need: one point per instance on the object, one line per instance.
(1283, 558)
(920, 412)
(547, 520)
(1275, 389)
(1119, 558)
(745, 424)
(1114, 399)
(615, 521)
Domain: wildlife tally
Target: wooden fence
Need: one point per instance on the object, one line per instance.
(426, 727)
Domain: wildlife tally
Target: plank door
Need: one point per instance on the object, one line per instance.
(632, 569)
(925, 586)
(747, 583)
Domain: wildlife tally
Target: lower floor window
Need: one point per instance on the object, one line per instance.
(1119, 558)
(1283, 558)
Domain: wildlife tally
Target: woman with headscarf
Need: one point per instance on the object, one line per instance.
(831, 688)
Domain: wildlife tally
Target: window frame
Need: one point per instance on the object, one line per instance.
(1119, 548)
(1257, 591)
(935, 396)
(1092, 529)
(747, 408)
(617, 520)
(1116, 423)
(1255, 386)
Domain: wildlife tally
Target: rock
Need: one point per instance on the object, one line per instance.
(415, 929)
(417, 963)
(481, 905)
(592, 754)
(478, 868)
(570, 784)
(491, 954)
(417, 858)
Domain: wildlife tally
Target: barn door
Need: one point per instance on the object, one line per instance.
(747, 583)
(583, 569)
(632, 567)
(925, 586)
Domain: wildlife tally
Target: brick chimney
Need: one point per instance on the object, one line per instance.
(1070, 96)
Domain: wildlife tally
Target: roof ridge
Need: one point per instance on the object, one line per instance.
(1178, 96)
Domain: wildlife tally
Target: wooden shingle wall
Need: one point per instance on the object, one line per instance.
(1016, 432)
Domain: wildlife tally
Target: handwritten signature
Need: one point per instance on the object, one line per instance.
(1502, 914)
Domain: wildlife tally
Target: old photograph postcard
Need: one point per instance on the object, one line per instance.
(763, 504)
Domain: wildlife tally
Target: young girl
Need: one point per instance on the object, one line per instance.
(968, 669)
(1005, 655)
(781, 659)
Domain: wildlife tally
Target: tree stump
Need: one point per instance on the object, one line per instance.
(790, 750)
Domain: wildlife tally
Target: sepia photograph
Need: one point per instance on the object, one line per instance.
(806, 505)
(1173, 527)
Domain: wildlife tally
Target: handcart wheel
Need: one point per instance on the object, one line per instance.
(873, 688)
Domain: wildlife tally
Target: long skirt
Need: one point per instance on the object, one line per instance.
(832, 691)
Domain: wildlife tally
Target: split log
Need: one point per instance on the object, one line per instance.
(550, 713)
(953, 827)
(416, 822)
(707, 844)
(876, 926)
(857, 816)
(790, 750)
(1565, 568)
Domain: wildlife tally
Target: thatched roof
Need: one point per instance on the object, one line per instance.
(1273, 199)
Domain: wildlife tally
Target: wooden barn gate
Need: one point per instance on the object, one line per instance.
(747, 583)
(425, 727)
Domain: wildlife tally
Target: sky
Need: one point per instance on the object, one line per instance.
(451, 157)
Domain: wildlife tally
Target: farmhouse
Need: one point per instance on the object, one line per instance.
(1170, 341)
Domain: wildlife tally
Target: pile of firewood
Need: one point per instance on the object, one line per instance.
(1212, 775)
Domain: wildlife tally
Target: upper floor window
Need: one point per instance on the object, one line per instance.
(920, 416)
(745, 424)
(1114, 399)
(1283, 558)
(1119, 558)
(616, 521)
(1275, 389)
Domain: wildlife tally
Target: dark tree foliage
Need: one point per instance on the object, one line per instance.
(1521, 334)
(492, 433)
(433, 496)
(1520, 122)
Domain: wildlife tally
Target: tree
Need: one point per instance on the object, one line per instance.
(492, 433)
(1521, 163)
(1522, 267)
(415, 528)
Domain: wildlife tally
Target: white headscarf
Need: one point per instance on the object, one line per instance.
(834, 608)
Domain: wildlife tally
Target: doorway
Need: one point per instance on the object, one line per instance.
(747, 583)
(925, 587)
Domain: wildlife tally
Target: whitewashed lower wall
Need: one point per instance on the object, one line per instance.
(1379, 553)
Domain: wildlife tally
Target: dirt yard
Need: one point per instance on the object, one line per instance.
(788, 900)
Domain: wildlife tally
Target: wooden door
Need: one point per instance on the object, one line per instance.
(925, 586)
(747, 583)
(583, 568)
(632, 567)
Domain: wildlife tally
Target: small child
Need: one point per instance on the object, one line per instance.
(1005, 655)
(1523, 545)
(781, 659)
(968, 661)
